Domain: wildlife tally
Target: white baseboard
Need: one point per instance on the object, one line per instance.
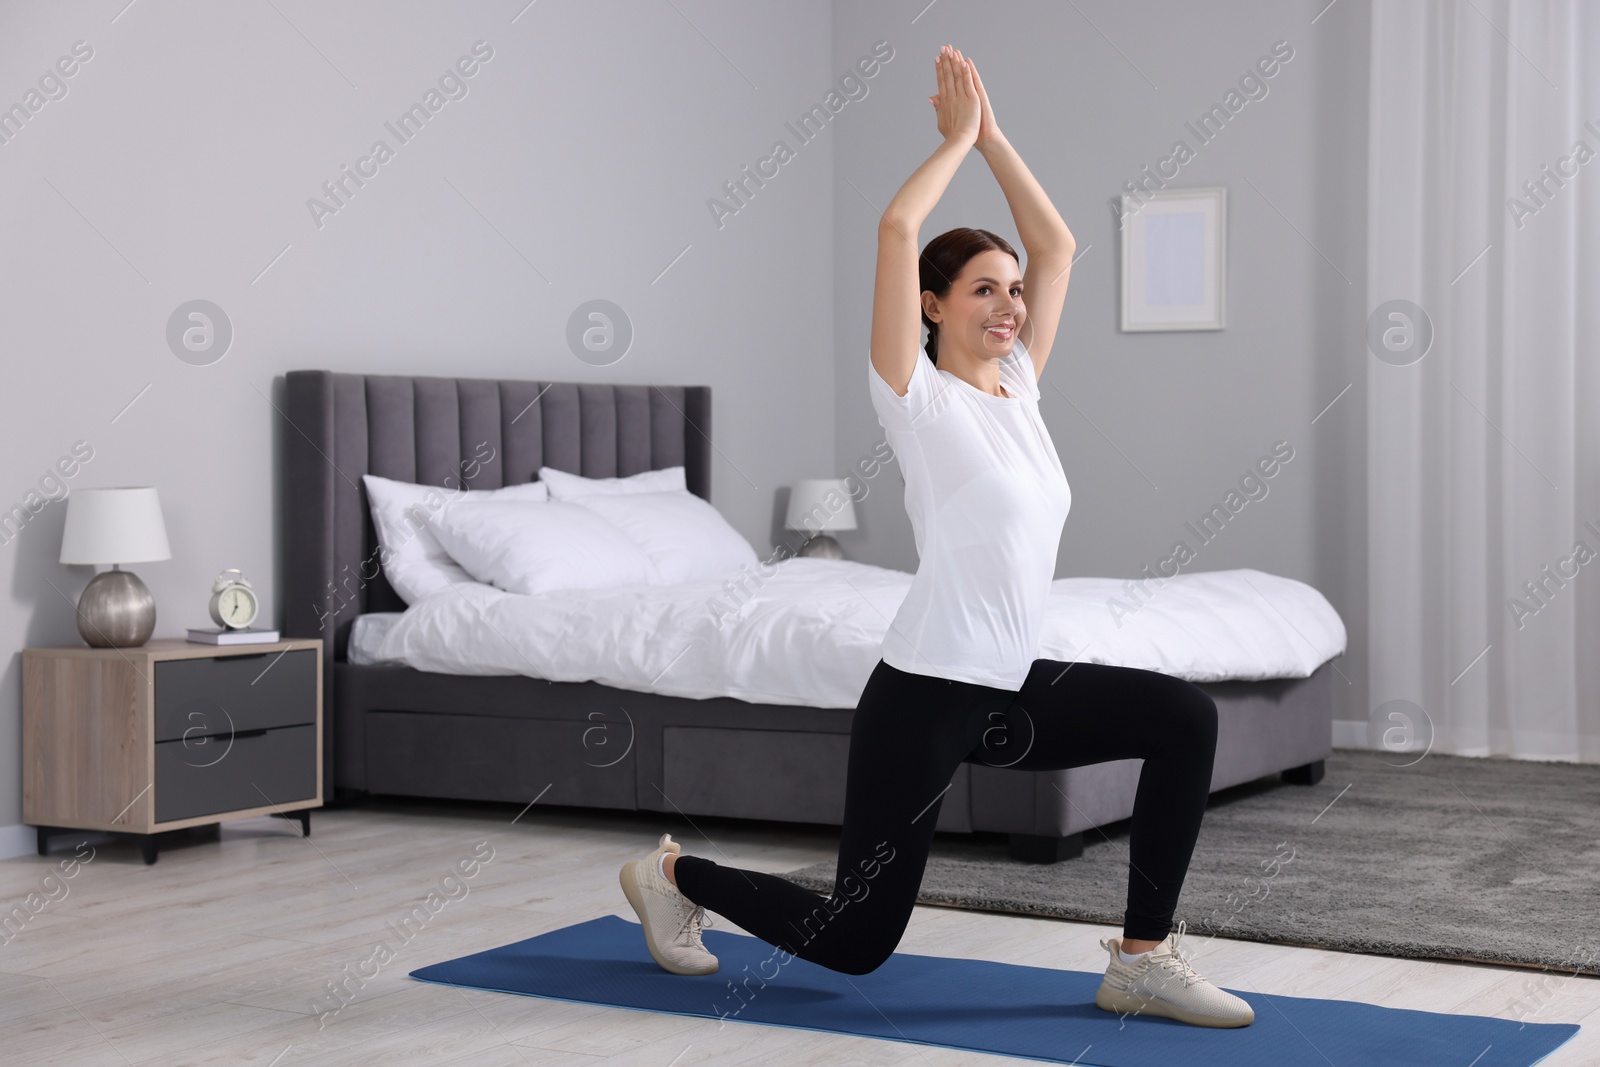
(17, 840)
(24, 840)
(1348, 733)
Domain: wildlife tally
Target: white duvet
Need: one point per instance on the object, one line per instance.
(810, 634)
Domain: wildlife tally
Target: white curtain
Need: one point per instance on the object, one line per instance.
(1483, 456)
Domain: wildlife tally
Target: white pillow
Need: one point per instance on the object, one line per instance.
(412, 558)
(564, 486)
(685, 537)
(535, 548)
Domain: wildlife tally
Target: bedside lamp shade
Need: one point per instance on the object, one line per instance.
(819, 505)
(114, 526)
(810, 500)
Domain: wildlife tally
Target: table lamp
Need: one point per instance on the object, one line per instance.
(818, 505)
(115, 526)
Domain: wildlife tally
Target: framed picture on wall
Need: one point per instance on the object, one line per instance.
(1174, 259)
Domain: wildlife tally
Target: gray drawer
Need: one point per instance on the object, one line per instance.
(781, 775)
(222, 695)
(482, 757)
(205, 776)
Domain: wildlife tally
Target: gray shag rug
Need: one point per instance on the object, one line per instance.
(1484, 860)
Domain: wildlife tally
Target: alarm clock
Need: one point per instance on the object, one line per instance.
(233, 602)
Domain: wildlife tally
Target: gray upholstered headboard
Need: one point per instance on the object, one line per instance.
(425, 430)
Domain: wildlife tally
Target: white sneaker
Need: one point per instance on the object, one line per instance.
(1163, 982)
(671, 921)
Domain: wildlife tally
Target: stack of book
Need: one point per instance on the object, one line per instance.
(215, 635)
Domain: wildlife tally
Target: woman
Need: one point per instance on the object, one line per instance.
(958, 680)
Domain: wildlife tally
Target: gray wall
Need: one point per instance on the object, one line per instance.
(179, 164)
(1154, 428)
(578, 166)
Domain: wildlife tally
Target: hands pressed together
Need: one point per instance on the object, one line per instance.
(966, 120)
(961, 104)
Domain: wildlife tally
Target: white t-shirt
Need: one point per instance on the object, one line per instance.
(987, 500)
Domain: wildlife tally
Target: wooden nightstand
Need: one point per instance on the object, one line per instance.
(169, 735)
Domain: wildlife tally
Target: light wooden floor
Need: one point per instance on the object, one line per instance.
(214, 954)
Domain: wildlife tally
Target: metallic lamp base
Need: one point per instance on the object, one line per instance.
(116, 611)
(822, 547)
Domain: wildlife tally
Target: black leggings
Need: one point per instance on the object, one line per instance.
(910, 734)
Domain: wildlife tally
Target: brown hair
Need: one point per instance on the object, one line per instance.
(944, 257)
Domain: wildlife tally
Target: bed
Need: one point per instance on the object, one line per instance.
(657, 699)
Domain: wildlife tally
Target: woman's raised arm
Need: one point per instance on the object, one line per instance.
(897, 293)
(1049, 244)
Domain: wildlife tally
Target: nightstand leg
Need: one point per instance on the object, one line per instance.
(147, 847)
(44, 840)
(303, 817)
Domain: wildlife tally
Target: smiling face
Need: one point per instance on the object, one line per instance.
(983, 310)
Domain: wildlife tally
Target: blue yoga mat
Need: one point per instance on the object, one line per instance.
(1034, 1012)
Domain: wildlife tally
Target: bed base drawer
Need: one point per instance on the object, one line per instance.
(782, 775)
(483, 757)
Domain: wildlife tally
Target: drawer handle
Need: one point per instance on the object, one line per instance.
(202, 738)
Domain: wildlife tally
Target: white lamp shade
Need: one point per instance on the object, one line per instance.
(820, 505)
(114, 526)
